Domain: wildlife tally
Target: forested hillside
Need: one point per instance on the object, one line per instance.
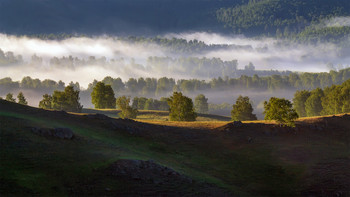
(142, 17)
(280, 17)
(135, 17)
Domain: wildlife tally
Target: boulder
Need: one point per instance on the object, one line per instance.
(62, 133)
(147, 171)
(237, 124)
(98, 116)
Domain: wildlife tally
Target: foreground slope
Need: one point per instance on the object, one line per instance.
(123, 157)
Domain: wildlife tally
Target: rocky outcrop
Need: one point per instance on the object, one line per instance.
(237, 124)
(97, 116)
(61, 133)
(148, 171)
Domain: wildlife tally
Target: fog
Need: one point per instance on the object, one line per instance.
(125, 59)
(268, 53)
(117, 57)
(81, 47)
(338, 22)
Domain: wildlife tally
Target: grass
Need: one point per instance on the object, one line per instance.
(154, 115)
(273, 165)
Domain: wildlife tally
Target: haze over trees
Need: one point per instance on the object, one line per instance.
(151, 87)
(181, 108)
(201, 104)
(242, 110)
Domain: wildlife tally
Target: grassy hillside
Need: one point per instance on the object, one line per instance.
(250, 160)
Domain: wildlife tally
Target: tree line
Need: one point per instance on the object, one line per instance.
(330, 100)
(152, 87)
(186, 65)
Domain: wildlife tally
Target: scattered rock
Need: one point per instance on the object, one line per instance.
(62, 133)
(316, 127)
(98, 116)
(147, 171)
(346, 116)
(249, 139)
(237, 124)
(296, 129)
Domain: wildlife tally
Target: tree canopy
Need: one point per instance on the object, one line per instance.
(313, 104)
(102, 96)
(21, 99)
(67, 100)
(181, 108)
(46, 102)
(242, 110)
(281, 110)
(334, 99)
(123, 103)
(299, 101)
(9, 97)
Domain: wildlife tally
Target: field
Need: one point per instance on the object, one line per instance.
(202, 158)
(154, 115)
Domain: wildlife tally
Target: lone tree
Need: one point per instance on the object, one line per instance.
(123, 103)
(46, 103)
(68, 100)
(181, 108)
(201, 104)
(242, 110)
(9, 97)
(102, 96)
(281, 110)
(21, 99)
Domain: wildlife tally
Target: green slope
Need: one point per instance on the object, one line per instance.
(232, 165)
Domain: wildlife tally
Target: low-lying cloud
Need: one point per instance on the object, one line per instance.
(338, 22)
(131, 58)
